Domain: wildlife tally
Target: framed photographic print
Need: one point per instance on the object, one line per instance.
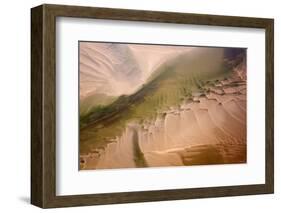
(136, 106)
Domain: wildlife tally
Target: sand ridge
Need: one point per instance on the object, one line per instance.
(208, 129)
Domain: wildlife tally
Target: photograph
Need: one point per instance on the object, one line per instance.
(161, 105)
(145, 105)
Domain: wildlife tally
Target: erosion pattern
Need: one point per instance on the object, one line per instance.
(114, 69)
(109, 70)
(207, 128)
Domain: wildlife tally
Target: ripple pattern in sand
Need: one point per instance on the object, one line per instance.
(210, 128)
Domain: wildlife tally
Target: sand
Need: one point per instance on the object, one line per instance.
(120, 69)
(211, 129)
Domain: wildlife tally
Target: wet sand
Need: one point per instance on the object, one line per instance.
(208, 129)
